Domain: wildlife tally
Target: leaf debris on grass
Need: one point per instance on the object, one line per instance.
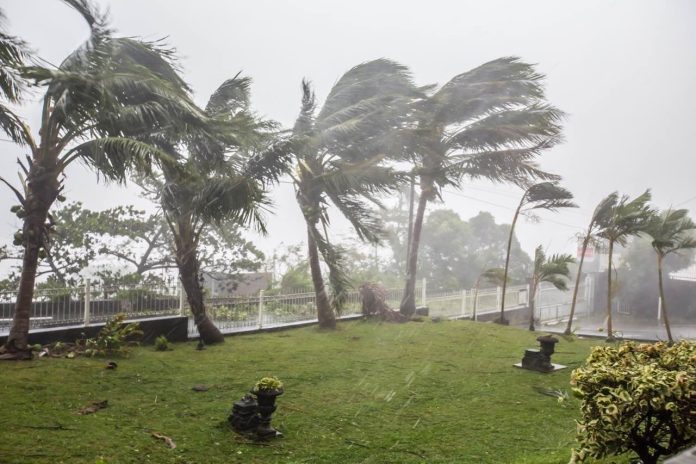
(169, 442)
(93, 407)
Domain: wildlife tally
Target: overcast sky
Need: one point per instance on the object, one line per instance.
(624, 71)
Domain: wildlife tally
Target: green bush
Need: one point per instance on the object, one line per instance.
(637, 398)
(114, 338)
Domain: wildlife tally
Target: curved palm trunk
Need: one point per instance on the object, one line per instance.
(325, 314)
(585, 243)
(610, 334)
(189, 273)
(665, 318)
(42, 190)
(408, 302)
(502, 319)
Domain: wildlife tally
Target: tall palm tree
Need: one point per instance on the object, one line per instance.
(548, 196)
(222, 181)
(97, 102)
(339, 155)
(491, 122)
(599, 215)
(671, 231)
(624, 218)
(553, 270)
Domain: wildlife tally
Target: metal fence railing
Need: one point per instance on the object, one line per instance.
(90, 304)
(60, 307)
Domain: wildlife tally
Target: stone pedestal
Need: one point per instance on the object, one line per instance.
(540, 359)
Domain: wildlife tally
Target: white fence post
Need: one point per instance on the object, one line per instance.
(88, 300)
(659, 308)
(463, 303)
(260, 309)
(423, 292)
(182, 300)
(498, 293)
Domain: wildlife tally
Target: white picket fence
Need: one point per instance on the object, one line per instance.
(93, 304)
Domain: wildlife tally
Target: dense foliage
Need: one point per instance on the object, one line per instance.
(637, 398)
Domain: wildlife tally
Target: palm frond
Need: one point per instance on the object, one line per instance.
(504, 83)
(335, 260)
(13, 55)
(232, 96)
(113, 157)
(549, 196)
(513, 165)
(671, 231)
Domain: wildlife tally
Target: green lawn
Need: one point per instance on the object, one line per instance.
(366, 393)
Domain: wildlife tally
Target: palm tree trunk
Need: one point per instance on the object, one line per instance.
(325, 314)
(42, 190)
(408, 302)
(665, 318)
(502, 319)
(18, 340)
(610, 334)
(585, 243)
(189, 274)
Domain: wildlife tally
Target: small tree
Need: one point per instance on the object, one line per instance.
(599, 215)
(671, 231)
(544, 195)
(624, 218)
(553, 270)
(636, 398)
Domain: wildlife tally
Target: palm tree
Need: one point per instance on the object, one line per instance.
(222, 181)
(599, 215)
(671, 232)
(339, 157)
(490, 122)
(553, 270)
(103, 95)
(624, 218)
(545, 195)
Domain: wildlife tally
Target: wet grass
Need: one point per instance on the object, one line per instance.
(366, 393)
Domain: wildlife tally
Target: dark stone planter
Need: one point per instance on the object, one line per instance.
(540, 359)
(266, 407)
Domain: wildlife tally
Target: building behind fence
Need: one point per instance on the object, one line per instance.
(95, 304)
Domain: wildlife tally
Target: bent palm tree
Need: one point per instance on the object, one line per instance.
(339, 156)
(599, 215)
(624, 218)
(219, 183)
(553, 270)
(491, 122)
(544, 195)
(104, 95)
(671, 232)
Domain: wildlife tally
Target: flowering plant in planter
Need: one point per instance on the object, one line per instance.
(267, 384)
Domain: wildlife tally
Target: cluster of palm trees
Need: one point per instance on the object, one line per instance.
(615, 219)
(120, 106)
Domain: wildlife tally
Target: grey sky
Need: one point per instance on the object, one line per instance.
(624, 71)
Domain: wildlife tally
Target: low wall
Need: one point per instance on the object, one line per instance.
(175, 328)
(516, 316)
